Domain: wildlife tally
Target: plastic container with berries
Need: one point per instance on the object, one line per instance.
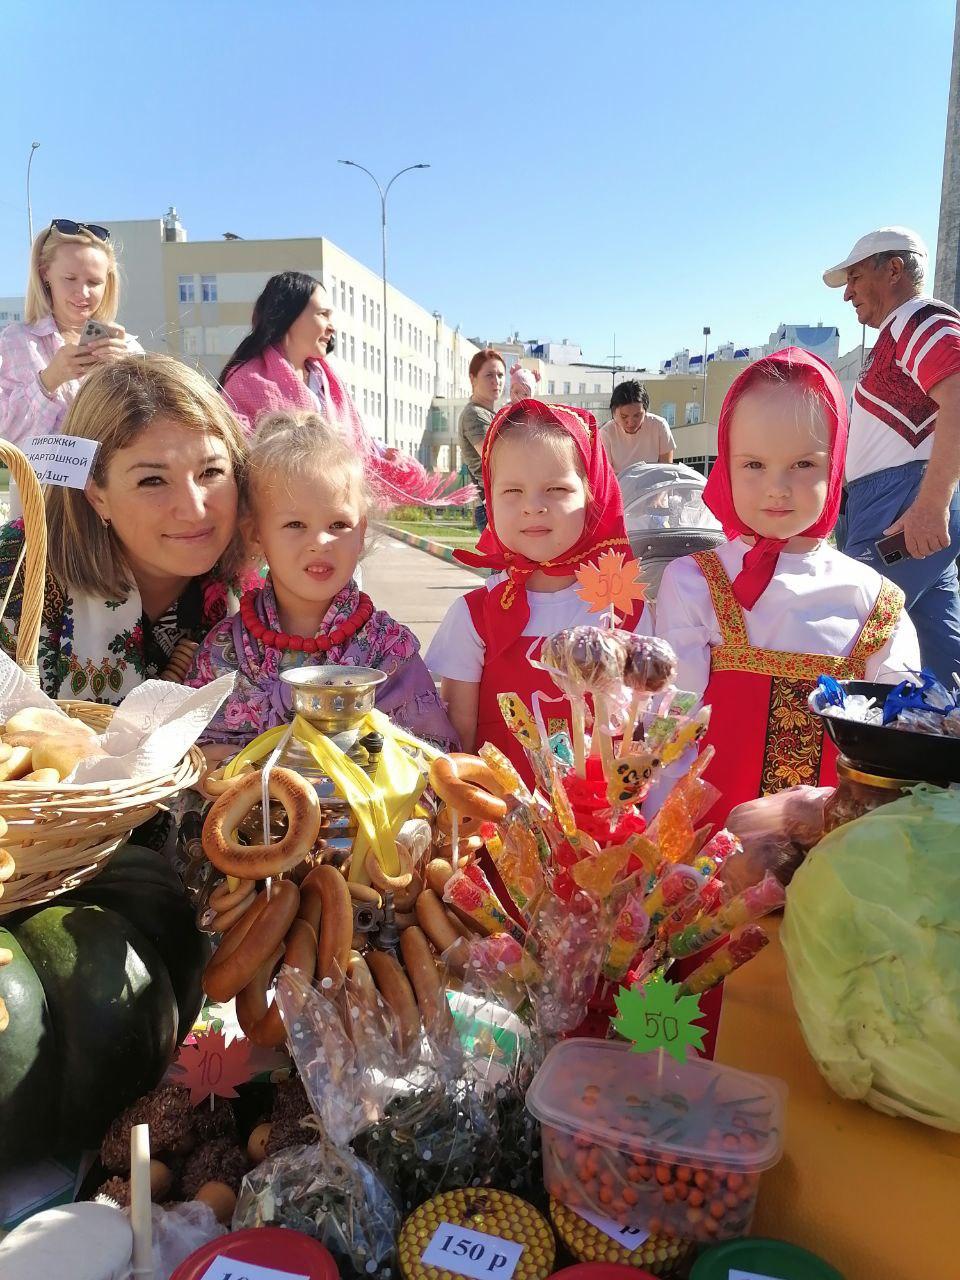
(675, 1148)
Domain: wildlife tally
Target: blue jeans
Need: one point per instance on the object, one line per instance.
(480, 516)
(930, 585)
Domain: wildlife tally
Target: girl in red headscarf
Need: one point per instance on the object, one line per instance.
(756, 621)
(553, 504)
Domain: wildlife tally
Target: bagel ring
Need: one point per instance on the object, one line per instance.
(398, 996)
(214, 921)
(251, 941)
(327, 902)
(384, 883)
(427, 983)
(438, 872)
(223, 898)
(257, 861)
(364, 1012)
(259, 1022)
(7, 865)
(469, 785)
(436, 922)
(466, 848)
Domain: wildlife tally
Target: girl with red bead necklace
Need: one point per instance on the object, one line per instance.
(305, 514)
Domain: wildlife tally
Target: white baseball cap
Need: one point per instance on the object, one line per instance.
(886, 240)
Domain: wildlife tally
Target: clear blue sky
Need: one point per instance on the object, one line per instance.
(639, 168)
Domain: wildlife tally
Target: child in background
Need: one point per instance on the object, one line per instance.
(553, 504)
(756, 621)
(305, 514)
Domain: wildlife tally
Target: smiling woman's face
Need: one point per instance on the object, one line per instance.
(171, 499)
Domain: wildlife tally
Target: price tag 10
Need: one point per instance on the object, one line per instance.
(629, 1237)
(222, 1268)
(472, 1253)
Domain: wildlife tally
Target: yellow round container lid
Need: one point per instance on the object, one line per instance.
(484, 1210)
(659, 1255)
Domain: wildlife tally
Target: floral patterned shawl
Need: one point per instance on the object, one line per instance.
(261, 700)
(100, 650)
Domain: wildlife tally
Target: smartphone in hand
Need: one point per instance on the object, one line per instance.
(94, 330)
(893, 549)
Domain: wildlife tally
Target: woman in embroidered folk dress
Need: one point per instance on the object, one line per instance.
(755, 622)
(141, 558)
(282, 365)
(554, 504)
(305, 514)
(73, 279)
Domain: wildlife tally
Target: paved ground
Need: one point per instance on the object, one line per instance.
(415, 587)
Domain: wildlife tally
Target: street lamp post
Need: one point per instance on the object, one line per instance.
(384, 192)
(33, 147)
(703, 401)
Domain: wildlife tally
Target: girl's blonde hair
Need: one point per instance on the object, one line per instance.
(287, 446)
(37, 303)
(535, 429)
(115, 404)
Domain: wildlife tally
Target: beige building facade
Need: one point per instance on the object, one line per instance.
(194, 299)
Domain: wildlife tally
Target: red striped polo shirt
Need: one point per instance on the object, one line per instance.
(893, 414)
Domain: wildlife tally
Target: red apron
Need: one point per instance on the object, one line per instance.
(512, 671)
(765, 737)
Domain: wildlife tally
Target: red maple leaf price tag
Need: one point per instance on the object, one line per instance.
(211, 1066)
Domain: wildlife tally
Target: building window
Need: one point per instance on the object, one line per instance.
(351, 299)
(379, 404)
(428, 346)
(208, 288)
(409, 334)
(379, 361)
(669, 412)
(364, 355)
(364, 308)
(353, 356)
(366, 396)
(343, 296)
(400, 367)
(353, 391)
(394, 326)
(394, 368)
(596, 388)
(378, 315)
(692, 413)
(551, 388)
(333, 289)
(566, 388)
(187, 288)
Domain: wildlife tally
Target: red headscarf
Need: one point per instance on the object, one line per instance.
(506, 609)
(792, 364)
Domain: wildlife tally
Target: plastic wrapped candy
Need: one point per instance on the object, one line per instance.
(585, 659)
(469, 890)
(776, 832)
(330, 1194)
(743, 946)
(756, 901)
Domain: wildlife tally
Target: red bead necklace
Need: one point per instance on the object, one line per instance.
(304, 644)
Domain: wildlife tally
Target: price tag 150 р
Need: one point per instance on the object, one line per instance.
(629, 1237)
(472, 1253)
(222, 1268)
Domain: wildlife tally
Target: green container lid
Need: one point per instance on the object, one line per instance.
(753, 1259)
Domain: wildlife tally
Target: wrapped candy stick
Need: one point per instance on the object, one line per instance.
(743, 946)
(630, 929)
(501, 956)
(504, 772)
(707, 901)
(516, 855)
(753, 903)
(469, 890)
(649, 667)
(673, 891)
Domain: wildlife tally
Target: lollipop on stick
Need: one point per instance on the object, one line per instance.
(650, 666)
(743, 946)
(587, 660)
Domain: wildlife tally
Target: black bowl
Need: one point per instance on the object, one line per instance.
(892, 752)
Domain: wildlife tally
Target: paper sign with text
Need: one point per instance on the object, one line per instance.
(472, 1253)
(630, 1237)
(63, 460)
(222, 1268)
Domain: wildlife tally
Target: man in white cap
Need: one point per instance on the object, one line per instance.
(903, 454)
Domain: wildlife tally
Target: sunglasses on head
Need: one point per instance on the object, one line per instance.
(68, 228)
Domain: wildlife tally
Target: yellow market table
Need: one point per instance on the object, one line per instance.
(874, 1195)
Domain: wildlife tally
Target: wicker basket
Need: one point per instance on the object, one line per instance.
(59, 836)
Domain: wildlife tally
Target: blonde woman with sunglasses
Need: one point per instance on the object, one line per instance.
(73, 279)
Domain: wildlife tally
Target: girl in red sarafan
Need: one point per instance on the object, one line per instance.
(755, 622)
(553, 505)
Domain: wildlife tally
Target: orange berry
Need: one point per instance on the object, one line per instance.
(702, 1179)
(734, 1181)
(663, 1174)
(683, 1190)
(696, 1197)
(629, 1195)
(669, 1194)
(606, 1195)
(634, 1174)
(731, 1200)
(717, 1208)
(684, 1173)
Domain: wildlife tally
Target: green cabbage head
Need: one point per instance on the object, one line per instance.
(872, 942)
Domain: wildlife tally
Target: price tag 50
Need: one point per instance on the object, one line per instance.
(472, 1253)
